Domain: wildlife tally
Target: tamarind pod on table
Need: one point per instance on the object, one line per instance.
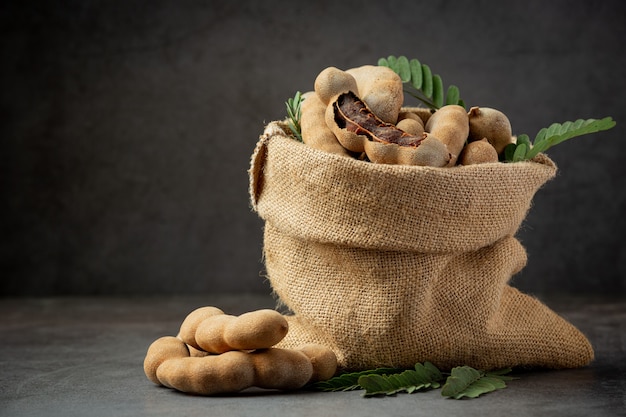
(213, 374)
(323, 359)
(235, 371)
(187, 332)
(254, 330)
(161, 350)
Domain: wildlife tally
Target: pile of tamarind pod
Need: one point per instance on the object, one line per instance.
(359, 113)
(217, 353)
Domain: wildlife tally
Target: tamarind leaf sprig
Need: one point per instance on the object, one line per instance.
(294, 113)
(428, 86)
(462, 381)
(350, 381)
(556, 133)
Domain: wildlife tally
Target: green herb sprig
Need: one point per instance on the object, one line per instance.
(350, 381)
(428, 86)
(294, 114)
(547, 137)
(462, 381)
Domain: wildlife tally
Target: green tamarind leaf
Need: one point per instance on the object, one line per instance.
(553, 130)
(404, 69)
(557, 133)
(565, 127)
(393, 63)
(424, 376)
(509, 151)
(460, 379)
(465, 381)
(552, 135)
(523, 139)
(541, 135)
(376, 385)
(429, 87)
(453, 95)
(437, 91)
(349, 381)
(520, 152)
(427, 81)
(416, 73)
(501, 374)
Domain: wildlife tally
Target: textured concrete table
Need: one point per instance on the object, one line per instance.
(83, 357)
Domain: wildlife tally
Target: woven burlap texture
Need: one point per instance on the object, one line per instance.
(391, 265)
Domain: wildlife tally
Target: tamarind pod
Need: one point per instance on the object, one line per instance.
(450, 124)
(485, 122)
(381, 89)
(478, 152)
(353, 123)
(333, 81)
(421, 113)
(254, 330)
(431, 152)
(210, 334)
(161, 350)
(283, 369)
(235, 371)
(187, 332)
(197, 353)
(323, 360)
(409, 115)
(414, 127)
(351, 141)
(214, 374)
(315, 132)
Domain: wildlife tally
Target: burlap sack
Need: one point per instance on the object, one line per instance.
(390, 265)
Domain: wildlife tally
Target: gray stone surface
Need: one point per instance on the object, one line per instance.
(83, 357)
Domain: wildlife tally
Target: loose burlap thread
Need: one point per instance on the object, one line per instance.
(390, 265)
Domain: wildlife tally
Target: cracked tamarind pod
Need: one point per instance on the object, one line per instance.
(360, 130)
(381, 89)
(450, 125)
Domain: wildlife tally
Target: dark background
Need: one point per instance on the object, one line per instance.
(127, 128)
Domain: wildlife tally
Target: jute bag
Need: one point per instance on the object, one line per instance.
(390, 265)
